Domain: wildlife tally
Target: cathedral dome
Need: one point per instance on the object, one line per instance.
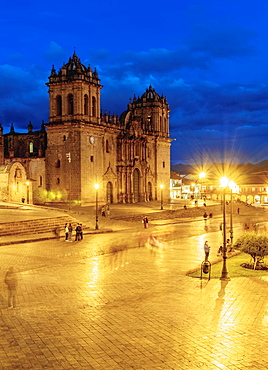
(74, 65)
(150, 95)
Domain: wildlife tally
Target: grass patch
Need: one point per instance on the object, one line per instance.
(233, 267)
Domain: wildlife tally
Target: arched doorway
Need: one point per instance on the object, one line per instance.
(150, 192)
(136, 184)
(109, 192)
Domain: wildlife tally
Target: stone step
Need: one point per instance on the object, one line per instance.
(36, 226)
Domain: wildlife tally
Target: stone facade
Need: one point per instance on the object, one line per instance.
(128, 156)
(26, 152)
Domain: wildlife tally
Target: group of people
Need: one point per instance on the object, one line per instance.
(229, 249)
(205, 215)
(69, 232)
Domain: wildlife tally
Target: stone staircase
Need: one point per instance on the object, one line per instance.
(36, 226)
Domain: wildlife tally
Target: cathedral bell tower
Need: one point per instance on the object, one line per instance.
(74, 103)
(74, 93)
(144, 169)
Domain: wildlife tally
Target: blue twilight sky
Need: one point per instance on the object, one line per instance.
(208, 57)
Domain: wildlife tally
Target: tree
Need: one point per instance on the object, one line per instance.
(253, 244)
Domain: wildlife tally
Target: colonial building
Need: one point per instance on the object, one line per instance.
(128, 156)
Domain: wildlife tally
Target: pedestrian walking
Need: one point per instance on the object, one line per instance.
(77, 232)
(205, 216)
(81, 232)
(145, 222)
(12, 285)
(70, 232)
(57, 232)
(103, 211)
(238, 211)
(66, 232)
(206, 250)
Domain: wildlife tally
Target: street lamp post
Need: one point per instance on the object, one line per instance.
(96, 186)
(161, 195)
(232, 187)
(68, 156)
(231, 219)
(224, 273)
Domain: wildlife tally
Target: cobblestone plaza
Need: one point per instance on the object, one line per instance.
(135, 309)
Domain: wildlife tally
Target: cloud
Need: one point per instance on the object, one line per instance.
(23, 95)
(54, 53)
(205, 105)
(222, 40)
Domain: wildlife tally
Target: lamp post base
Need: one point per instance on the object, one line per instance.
(224, 272)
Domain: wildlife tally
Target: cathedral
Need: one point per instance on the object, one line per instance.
(128, 156)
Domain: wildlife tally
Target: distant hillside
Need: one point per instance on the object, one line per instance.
(262, 163)
(216, 168)
(183, 169)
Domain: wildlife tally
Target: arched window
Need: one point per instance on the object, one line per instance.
(40, 180)
(150, 191)
(85, 104)
(136, 185)
(58, 164)
(58, 105)
(70, 104)
(107, 146)
(31, 147)
(58, 180)
(93, 106)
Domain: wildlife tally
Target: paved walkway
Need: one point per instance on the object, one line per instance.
(135, 309)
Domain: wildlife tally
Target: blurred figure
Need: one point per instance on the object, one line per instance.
(12, 284)
(108, 210)
(57, 232)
